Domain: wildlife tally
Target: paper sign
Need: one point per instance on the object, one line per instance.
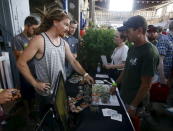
(108, 112)
(117, 117)
(104, 60)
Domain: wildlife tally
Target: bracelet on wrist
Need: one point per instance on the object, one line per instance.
(86, 74)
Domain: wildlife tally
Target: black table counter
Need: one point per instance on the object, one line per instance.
(94, 120)
(89, 120)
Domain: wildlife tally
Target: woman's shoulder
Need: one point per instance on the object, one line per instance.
(125, 46)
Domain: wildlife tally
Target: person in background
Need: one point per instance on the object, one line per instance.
(19, 43)
(49, 51)
(73, 44)
(152, 33)
(165, 48)
(118, 57)
(170, 33)
(141, 65)
(170, 79)
(164, 32)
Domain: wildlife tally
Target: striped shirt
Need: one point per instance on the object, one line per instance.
(51, 63)
(165, 48)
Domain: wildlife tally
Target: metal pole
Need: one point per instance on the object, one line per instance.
(66, 5)
(92, 11)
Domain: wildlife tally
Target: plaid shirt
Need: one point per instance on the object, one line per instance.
(165, 48)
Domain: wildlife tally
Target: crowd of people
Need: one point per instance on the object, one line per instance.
(44, 49)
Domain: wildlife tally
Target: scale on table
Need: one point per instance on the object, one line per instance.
(101, 95)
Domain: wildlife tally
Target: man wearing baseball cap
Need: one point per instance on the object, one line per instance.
(152, 33)
(140, 67)
(165, 48)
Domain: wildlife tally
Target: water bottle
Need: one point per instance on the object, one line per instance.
(98, 68)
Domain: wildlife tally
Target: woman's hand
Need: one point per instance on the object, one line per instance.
(5, 96)
(8, 95)
(108, 66)
(15, 93)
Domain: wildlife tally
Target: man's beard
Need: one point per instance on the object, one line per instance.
(151, 39)
(71, 33)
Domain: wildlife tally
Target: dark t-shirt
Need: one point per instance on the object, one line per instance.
(141, 61)
(73, 44)
(19, 43)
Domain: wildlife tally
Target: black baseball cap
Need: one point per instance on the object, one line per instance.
(134, 22)
(121, 29)
(152, 28)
